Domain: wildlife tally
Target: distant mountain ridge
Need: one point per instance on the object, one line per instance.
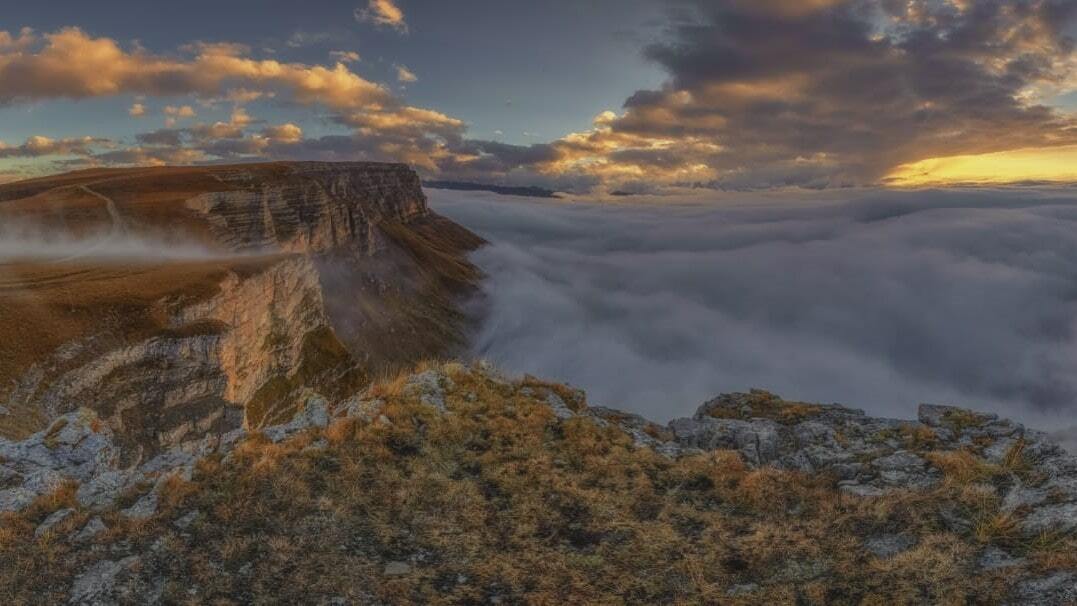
(505, 190)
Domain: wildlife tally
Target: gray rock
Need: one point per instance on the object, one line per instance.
(429, 386)
(889, 545)
(742, 589)
(993, 558)
(996, 452)
(757, 439)
(92, 528)
(97, 584)
(14, 499)
(1019, 496)
(77, 445)
(862, 490)
(7, 474)
(1061, 517)
(560, 409)
(1058, 589)
(899, 461)
(54, 518)
(4, 412)
(103, 490)
(315, 413)
(143, 509)
(364, 410)
(396, 569)
(184, 521)
(809, 433)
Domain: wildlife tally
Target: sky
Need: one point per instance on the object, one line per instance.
(877, 299)
(634, 96)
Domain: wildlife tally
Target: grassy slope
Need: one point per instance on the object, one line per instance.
(500, 498)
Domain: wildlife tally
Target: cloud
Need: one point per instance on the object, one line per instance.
(403, 74)
(284, 133)
(72, 64)
(137, 110)
(344, 56)
(185, 111)
(38, 146)
(819, 94)
(877, 299)
(301, 39)
(383, 13)
(838, 92)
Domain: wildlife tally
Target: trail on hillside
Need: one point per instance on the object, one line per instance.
(116, 230)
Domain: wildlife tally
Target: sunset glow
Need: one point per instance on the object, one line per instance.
(1051, 165)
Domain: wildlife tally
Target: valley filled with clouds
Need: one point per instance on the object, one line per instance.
(876, 299)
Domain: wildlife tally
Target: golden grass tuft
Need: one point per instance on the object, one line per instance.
(962, 467)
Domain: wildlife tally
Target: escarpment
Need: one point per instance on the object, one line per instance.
(305, 275)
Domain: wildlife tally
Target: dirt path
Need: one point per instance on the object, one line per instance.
(115, 231)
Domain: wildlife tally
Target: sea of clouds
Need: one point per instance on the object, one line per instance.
(876, 299)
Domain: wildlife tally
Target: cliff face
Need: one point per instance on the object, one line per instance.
(312, 208)
(337, 261)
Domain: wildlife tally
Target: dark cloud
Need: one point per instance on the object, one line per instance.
(876, 299)
(846, 90)
(163, 136)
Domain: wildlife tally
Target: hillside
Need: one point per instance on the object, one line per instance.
(455, 485)
(303, 274)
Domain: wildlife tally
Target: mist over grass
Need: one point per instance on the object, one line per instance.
(876, 299)
(25, 242)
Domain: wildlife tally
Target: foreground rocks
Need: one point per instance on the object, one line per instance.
(941, 462)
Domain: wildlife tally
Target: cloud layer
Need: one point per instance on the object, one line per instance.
(759, 94)
(876, 299)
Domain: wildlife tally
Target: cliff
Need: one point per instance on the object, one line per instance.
(305, 271)
(457, 485)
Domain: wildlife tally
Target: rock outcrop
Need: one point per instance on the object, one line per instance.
(1005, 493)
(313, 207)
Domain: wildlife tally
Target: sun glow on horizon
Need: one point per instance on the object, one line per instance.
(1046, 164)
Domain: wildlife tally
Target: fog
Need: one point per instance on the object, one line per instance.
(27, 242)
(875, 299)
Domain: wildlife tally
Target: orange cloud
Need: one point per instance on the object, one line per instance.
(383, 13)
(38, 146)
(71, 64)
(284, 133)
(403, 74)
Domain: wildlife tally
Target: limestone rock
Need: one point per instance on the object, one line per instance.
(104, 489)
(429, 386)
(97, 584)
(143, 509)
(92, 528)
(315, 413)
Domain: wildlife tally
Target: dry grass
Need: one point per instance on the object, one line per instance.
(765, 405)
(498, 498)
